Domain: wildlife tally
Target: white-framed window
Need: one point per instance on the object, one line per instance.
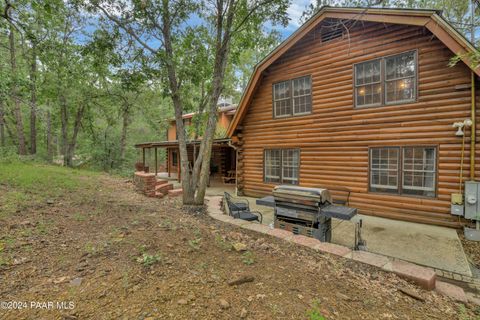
(368, 85)
(409, 170)
(292, 97)
(302, 95)
(282, 165)
(385, 81)
(384, 169)
(419, 174)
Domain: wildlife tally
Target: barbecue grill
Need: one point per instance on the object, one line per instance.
(306, 211)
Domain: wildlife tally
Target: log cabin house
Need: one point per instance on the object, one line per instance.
(363, 100)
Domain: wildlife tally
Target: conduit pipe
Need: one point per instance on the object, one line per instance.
(473, 131)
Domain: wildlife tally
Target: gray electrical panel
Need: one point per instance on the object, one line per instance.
(472, 200)
(456, 209)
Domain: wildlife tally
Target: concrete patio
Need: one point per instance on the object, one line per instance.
(426, 245)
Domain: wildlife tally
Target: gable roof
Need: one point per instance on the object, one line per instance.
(430, 19)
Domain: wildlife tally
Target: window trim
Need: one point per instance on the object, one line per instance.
(281, 166)
(290, 83)
(383, 81)
(400, 171)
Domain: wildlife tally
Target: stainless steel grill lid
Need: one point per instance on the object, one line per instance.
(302, 195)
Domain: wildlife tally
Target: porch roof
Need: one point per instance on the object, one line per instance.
(174, 143)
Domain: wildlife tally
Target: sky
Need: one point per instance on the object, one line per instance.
(295, 12)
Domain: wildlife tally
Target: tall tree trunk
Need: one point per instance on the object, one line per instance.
(22, 150)
(188, 181)
(73, 142)
(64, 136)
(224, 25)
(33, 100)
(123, 137)
(49, 137)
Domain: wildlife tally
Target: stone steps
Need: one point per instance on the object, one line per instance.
(175, 192)
(163, 188)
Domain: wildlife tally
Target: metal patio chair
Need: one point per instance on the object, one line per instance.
(240, 209)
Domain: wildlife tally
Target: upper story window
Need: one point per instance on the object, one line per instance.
(292, 97)
(368, 85)
(282, 99)
(400, 78)
(388, 80)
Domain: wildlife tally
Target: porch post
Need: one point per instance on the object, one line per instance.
(156, 162)
(179, 172)
(143, 152)
(168, 162)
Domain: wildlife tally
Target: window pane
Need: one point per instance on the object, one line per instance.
(272, 165)
(401, 90)
(369, 95)
(367, 72)
(302, 98)
(290, 165)
(384, 169)
(400, 78)
(400, 66)
(282, 98)
(368, 89)
(419, 170)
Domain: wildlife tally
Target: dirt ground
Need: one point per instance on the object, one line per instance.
(472, 249)
(109, 253)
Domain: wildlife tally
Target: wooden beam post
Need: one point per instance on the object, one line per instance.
(156, 162)
(179, 172)
(143, 151)
(169, 157)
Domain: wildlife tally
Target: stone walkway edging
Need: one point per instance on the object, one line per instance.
(422, 276)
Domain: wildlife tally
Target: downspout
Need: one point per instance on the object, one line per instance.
(473, 131)
(236, 165)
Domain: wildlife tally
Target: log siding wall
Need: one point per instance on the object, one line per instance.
(335, 138)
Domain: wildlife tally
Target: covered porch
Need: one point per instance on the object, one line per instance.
(163, 159)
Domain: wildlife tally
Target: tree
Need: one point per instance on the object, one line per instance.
(14, 87)
(225, 24)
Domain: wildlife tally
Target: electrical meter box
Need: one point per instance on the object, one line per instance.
(472, 200)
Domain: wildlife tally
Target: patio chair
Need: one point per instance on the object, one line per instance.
(240, 209)
(230, 177)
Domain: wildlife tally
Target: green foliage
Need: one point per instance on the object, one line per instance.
(148, 260)
(195, 243)
(248, 258)
(222, 243)
(24, 182)
(314, 313)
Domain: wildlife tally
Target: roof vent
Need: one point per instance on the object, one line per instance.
(331, 33)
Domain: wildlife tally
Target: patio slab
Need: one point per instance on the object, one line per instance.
(427, 245)
(431, 246)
